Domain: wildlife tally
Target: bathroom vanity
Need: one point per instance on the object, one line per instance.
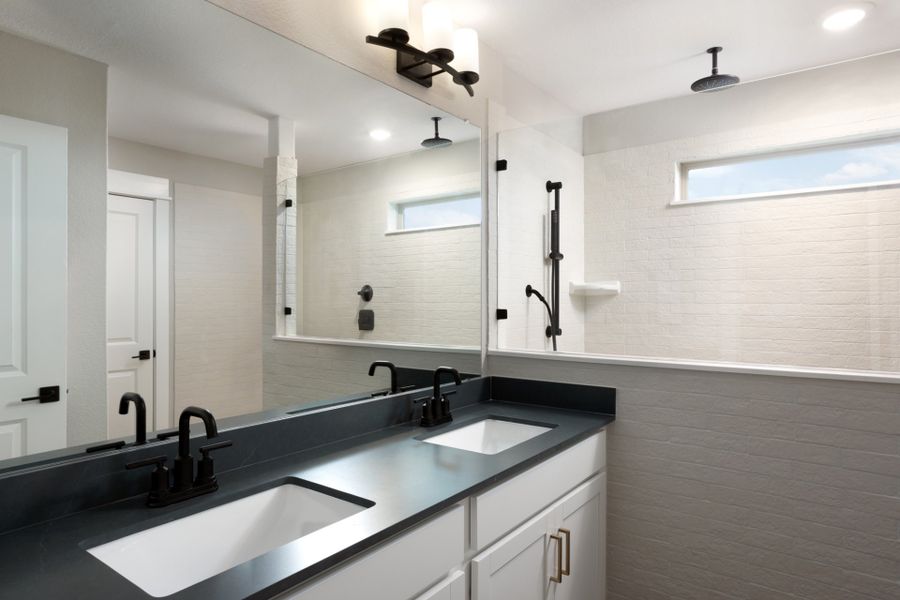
(505, 501)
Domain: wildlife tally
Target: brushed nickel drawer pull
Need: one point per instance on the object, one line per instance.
(568, 534)
(559, 572)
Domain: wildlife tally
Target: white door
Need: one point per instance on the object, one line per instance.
(33, 197)
(519, 566)
(583, 516)
(129, 308)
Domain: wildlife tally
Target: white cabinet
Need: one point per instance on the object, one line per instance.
(583, 515)
(547, 533)
(557, 555)
(452, 588)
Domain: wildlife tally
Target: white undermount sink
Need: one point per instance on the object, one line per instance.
(178, 554)
(488, 436)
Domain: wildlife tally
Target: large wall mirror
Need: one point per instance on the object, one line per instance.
(181, 188)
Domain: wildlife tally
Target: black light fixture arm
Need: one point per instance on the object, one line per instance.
(415, 64)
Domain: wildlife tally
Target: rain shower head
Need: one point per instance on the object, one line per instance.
(437, 141)
(715, 81)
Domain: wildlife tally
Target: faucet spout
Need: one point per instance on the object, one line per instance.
(140, 410)
(390, 366)
(437, 380)
(184, 427)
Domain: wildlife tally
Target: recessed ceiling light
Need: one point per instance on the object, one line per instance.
(379, 134)
(846, 16)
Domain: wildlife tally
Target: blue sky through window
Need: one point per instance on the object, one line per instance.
(442, 213)
(837, 166)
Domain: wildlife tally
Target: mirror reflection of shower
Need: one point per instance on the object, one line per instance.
(553, 330)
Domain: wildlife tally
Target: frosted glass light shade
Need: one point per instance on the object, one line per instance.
(437, 26)
(391, 14)
(465, 49)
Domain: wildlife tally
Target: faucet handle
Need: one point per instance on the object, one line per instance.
(159, 461)
(205, 450)
(205, 473)
(159, 478)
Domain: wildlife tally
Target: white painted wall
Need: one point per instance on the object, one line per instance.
(135, 157)
(523, 239)
(218, 313)
(427, 284)
(43, 84)
(809, 281)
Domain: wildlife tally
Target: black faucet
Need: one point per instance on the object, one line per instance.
(436, 409)
(185, 485)
(140, 423)
(390, 366)
(184, 462)
(140, 412)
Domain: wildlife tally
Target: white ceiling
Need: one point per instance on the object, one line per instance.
(189, 76)
(596, 55)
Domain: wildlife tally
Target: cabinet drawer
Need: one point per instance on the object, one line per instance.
(500, 509)
(452, 588)
(400, 569)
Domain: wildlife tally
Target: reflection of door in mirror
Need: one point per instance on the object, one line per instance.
(33, 164)
(129, 307)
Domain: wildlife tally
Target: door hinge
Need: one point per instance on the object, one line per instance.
(502, 165)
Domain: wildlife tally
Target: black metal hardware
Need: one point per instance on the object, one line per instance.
(142, 355)
(502, 314)
(366, 320)
(366, 292)
(288, 310)
(167, 435)
(388, 365)
(502, 165)
(288, 203)
(45, 395)
(110, 446)
(205, 473)
(140, 411)
(436, 409)
(416, 65)
(184, 485)
(159, 479)
(555, 256)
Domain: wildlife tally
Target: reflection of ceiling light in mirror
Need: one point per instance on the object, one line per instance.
(379, 134)
(846, 16)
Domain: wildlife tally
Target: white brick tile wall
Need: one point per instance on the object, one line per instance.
(427, 284)
(808, 281)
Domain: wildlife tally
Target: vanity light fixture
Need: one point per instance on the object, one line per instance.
(846, 16)
(445, 44)
(379, 135)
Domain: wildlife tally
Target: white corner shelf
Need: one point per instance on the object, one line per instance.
(595, 288)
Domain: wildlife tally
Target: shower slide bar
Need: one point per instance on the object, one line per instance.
(555, 257)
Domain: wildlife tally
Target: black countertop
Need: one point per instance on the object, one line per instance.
(407, 479)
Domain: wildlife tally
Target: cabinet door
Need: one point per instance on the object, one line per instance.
(452, 588)
(583, 514)
(519, 566)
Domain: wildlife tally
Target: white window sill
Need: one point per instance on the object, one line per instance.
(833, 189)
(435, 228)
